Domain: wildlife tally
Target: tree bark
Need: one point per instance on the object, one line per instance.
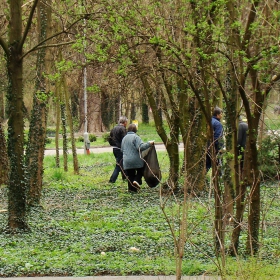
(4, 163)
(70, 124)
(38, 124)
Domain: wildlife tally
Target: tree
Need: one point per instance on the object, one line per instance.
(255, 64)
(4, 164)
(38, 124)
(13, 49)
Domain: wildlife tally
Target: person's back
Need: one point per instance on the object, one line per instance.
(116, 136)
(217, 128)
(242, 134)
(241, 140)
(217, 132)
(133, 164)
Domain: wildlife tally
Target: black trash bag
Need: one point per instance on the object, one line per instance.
(152, 173)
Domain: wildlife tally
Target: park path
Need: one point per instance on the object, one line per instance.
(107, 149)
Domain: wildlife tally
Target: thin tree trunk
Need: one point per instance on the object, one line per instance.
(64, 137)
(4, 162)
(38, 124)
(58, 115)
(172, 143)
(70, 124)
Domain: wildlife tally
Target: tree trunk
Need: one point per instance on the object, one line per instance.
(57, 126)
(252, 173)
(38, 123)
(145, 113)
(70, 123)
(105, 109)
(17, 187)
(172, 143)
(2, 106)
(64, 136)
(4, 163)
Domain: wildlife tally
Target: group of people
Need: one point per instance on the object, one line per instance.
(127, 148)
(218, 138)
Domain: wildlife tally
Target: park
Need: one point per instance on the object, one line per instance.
(70, 69)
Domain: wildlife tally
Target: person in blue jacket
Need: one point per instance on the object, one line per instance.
(217, 135)
(133, 164)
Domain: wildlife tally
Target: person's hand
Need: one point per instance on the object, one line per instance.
(152, 142)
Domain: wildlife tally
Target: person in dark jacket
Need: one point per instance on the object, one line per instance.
(217, 135)
(117, 134)
(133, 164)
(241, 139)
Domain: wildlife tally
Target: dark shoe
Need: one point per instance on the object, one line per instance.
(111, 182)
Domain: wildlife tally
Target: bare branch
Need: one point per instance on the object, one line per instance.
(251, 19)
(47, 46)
(64, 31)
(28, 24)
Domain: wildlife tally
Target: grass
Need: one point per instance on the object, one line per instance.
(86, 226)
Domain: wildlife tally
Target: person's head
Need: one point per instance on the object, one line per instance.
(132, 127)
(217, 112)
(123, 120)
(242, 118)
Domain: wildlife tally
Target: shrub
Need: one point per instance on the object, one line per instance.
(80, 139)
(48, 140)
(269, 156)
(105, 136)
(92, 138)
(50, 131)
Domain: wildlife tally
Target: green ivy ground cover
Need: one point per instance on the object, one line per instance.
(86, 226)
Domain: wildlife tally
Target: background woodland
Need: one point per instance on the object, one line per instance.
(167, 61)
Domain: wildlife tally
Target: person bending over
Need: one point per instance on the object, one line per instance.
(133, 164)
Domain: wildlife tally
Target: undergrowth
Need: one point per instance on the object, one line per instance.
(86, 226)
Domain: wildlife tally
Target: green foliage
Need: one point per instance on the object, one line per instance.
(88, 227)
(269, 156)
(58, 175)
(48, 140)
(80, 139)
(92, 137)
(50, 131)
(105, 136)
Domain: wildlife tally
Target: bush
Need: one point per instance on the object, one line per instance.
(269, 156)
(80, 139)
(50, 131)
(48, 140)
(92, 138)
(105, 136)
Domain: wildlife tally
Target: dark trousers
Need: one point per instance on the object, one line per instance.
(134, 175)
(119, 165)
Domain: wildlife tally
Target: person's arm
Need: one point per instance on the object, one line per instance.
(218, 131)
(218, 134)
(140, 145)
